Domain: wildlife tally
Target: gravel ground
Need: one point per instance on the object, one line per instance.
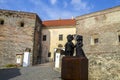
(39, 72)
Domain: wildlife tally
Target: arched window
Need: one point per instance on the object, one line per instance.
(60, 45)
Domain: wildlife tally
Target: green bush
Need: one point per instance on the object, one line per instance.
(10, 65)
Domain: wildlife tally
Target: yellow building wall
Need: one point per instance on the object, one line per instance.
(54, 39)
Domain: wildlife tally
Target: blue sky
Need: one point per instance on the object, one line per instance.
(55, 9)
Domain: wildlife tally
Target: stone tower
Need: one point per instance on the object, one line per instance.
(18, 31)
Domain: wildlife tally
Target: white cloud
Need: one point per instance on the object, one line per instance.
(48, 12)
(80, 5)
(53, 1)
(44, 10)
(56, 14)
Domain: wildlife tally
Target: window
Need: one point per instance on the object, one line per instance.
(119, 37)
(96, 40)
(22, 24)
(49, 54)
(60, 37)
(1, 22)
(44, 37)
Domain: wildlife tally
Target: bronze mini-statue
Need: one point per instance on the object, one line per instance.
(79, 45)
(69, 46)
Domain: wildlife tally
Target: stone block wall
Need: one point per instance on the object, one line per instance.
(37, 41)
(45, 45)
(15, 38)
(104, 66)
(105, 26)
(101, 31)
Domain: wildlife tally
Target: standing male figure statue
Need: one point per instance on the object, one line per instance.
(69, 46)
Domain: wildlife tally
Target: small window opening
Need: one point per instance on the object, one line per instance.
(60, 37)
(49, 54)
(44, 37)
(1, 22)
(22, 24)
(96, 40)
(119, 37)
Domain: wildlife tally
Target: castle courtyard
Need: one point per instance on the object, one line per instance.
(33, 48)
(39, 72)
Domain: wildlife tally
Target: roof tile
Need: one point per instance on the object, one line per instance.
(61, 22)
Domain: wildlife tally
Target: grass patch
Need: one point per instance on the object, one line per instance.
(11, 66)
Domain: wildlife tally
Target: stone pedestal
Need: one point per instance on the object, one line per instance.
(57, 60)
(26, 59)
(74, 68)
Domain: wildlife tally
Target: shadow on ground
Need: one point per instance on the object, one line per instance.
(6, 74)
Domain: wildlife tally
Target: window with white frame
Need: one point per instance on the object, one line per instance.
(60, 37)
(94, 39)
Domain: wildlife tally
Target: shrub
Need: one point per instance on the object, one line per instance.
(10, 65)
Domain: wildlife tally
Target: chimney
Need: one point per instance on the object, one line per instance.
(72, 17)
(59, 18)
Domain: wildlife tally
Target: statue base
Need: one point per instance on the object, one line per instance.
(74, 68)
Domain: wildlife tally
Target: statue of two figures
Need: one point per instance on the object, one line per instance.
(69, 46)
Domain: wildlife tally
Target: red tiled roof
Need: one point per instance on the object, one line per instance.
(61, 22)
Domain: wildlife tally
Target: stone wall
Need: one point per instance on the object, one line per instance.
(37, 41)
(45, 45)
(101, 32)
(15, 38)
(104, 66)
(101, 25)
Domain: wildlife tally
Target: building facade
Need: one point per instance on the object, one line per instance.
(54, 35)
(18, 31)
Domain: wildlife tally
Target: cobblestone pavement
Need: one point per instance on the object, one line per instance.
(39, 72)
